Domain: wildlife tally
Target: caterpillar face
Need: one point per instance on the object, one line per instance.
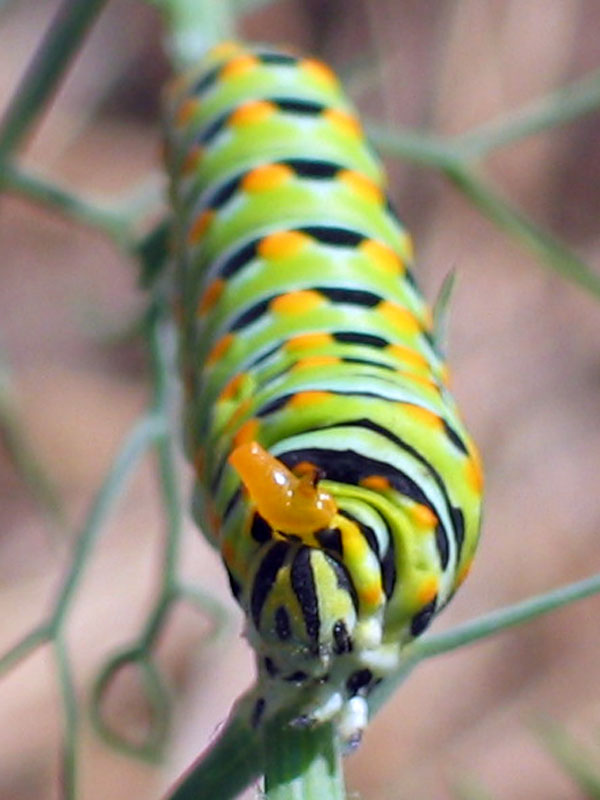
(334, 473)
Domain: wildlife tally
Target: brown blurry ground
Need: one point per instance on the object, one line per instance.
(526, 366)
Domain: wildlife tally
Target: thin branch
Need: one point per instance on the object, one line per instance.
(70, 707)
(162, 350)
(302, 763)
(248, 6)
(419, 147)
(194, 27)
(111, 221)
(19, 651)
(432, 151)
(578, 762)
(151, 746)
(60, 43)
(232, 762)
(552, 252)
(138, 441)
(22, 454)
(557, 108)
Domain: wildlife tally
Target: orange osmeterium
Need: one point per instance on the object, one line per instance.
(288, 503)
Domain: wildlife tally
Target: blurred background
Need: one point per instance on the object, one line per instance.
(526, 370)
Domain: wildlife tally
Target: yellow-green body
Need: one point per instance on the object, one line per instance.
(302, 329)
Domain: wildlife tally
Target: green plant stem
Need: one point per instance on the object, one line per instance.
(577, 761)
(138, 441)
(430, 150)
(469, 788)
(247, 6)
(151, 747)
(232, 762)
(419, 147)
(158, 334)
(113, 222)
(194, 27)
(302, 763)
(162, 350)
(19, 651)
(140, 438)
(235, 758)
(68, 780)
(21, 452)
(557, 108)
(60, 43)
(550, 250)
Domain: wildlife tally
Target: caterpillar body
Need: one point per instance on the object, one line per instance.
(334, 473)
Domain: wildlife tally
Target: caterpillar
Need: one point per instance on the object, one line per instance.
(334, 473)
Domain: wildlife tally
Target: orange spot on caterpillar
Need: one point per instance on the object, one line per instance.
(319, 72)
(308, 341)
(247, 433)
(427, 314)
(444, 374)
(286, 502)
(238, 414)
(251, 113)
(303, 399)
(220, 348)
(408, 356)
(362, 185)
(427, 591)
(200, 226)
(408, 251)
(232, 388)
(241, 65)
(423, 516)
(422, 415)
(315, 361)
(192, 160)
(422, 380)
(463, 573)
(282, 244)
(211, 295)
(474, 470)
(267, 177)
(224, 49)
(372, 595)
(345, 123)
(398, 316)
(297, 302)
(186, 111)
(382, 257)
(378, 483)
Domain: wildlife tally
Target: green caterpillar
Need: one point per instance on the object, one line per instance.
(334, 473)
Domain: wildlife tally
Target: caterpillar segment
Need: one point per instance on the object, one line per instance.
(334, 473)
